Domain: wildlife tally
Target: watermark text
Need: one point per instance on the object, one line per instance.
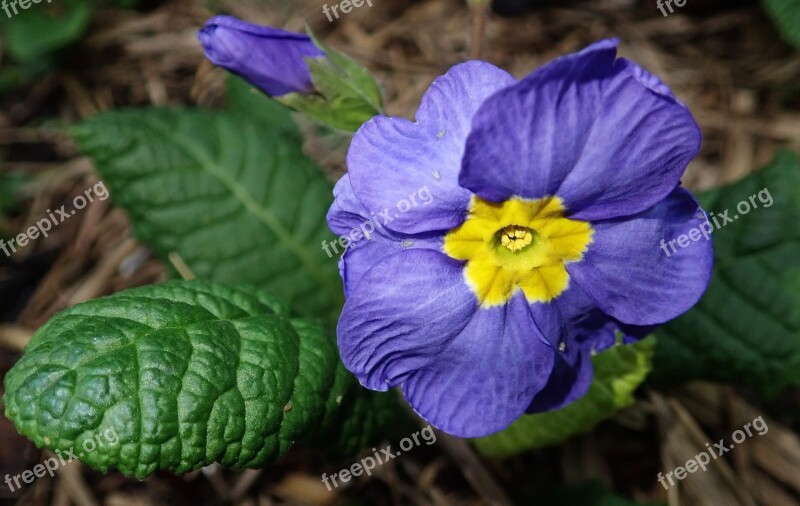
(49, 466)
(380, 220)
(715, 222)
(53, 219)
(702, 459)
(367, 464)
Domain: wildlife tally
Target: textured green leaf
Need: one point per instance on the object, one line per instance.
(618, 371)
(233, 195)
(348, 94)
(746, 328)
(786, 16)
(185, 374)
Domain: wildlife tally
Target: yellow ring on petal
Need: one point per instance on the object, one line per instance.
(518, 245)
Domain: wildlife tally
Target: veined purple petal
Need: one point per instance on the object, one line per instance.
(392, 159)
(269, 58)
(605, 136)
(570, 380)
(569, 319)
(403, 313)
(632, 272)
(347, 212)
(576, 328)
(369, 239)
(486, 376)
(469, 372)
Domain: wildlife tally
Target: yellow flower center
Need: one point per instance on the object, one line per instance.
(518, 244)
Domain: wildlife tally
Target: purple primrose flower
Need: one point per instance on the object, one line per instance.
(552, 195)
(268, 58)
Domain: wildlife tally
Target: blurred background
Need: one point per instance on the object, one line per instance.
(66, 60)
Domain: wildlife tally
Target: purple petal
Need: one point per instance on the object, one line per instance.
(486, 376)
(570, 380)
(369, 241)
(346, 212)
(628, 272)
(391, 160)
(634, 333)
(268, 58)
(601, 134)
(573, 372)
(646, 78)
(566, 318)
(404, 312)
(576, 328)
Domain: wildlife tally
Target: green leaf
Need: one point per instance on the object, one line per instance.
(235, 197)
(35, 33)
(348, 94)
(342, 113)
(180, 375)
(786, 16)
(248, 101)
(746, 328)
(618, 371)
(341, 75)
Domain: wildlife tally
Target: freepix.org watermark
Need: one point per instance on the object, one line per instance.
(702, 459)
(367, 464)
(715, 222)
(378, 221)
(346, 6)
(23, 4)
(49, 466)
(54, 219)
(668, 3)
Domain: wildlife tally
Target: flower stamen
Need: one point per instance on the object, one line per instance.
(515, 237)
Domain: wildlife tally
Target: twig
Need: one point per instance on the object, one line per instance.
(76, 487)
(14, 337)
(183, 269)
(473, 470)
(479, 10)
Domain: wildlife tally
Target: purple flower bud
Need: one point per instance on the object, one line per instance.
(269, 58)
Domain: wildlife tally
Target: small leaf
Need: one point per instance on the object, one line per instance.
(746, 328)
(348, 94)
(233, 195)
(185, 374)
(342, 75)
(786, 16)
(618, 371)
(342, 113)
